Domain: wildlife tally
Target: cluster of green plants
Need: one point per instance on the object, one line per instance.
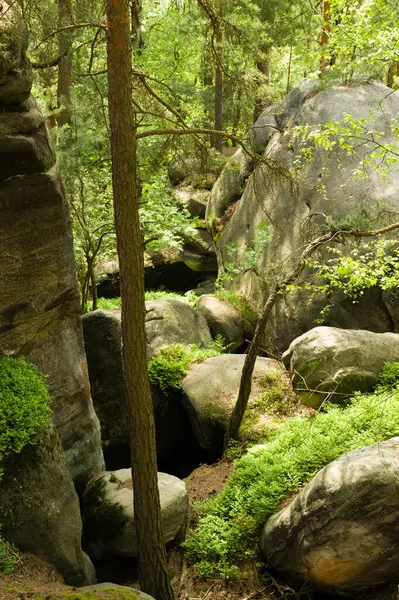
(240, 303)
(170, 364)
(25, 410)
(229, 524)
(115, 303)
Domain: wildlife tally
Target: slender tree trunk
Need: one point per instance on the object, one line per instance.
(65, 17)
(263, 66)
(325, 34)
(246, 377)
(393, 71)
(136, 14)
(217, 140)
(151, 550)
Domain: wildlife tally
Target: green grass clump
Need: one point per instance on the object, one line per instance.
(228, 528)
(248, 313)
(115, 303)
(170, 364)
(389, 374)
(25, 410)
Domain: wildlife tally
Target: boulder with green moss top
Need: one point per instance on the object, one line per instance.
(39, 508)
(341, 532)
(331, 363)
(223, 320)
(119, 592)
(109, 529)
(209, 393)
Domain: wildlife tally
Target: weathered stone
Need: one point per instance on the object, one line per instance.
(40, 308)
(15, 87)
(230, 185)
(286, 204)
(108, 518)
(194, 200)
(332, 363)
(342, 530)
(210, 392)
(174, 322)
(26, 154)
(21, 119)
(39, 508)
(102, 334)
(117, 590)
(262, 130)
(223, 319)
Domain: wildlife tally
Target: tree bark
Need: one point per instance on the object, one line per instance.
(151, 550)
(263, 66)
(325, 34)
(65, 17)
(217, 140)
(136, 13)
(393, 71)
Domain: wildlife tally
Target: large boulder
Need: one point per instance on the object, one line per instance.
(290, 201)
(39, 295)
(174, 322)
(119, 591)
(39, 508)
(342, 530)
(193, 199)
(328, 363)
(102, 334)
(223, 320)
(108, 517)
(209, 393)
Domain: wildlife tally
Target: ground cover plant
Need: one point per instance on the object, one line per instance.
(170, 364)
(229, 524)
(25, 410)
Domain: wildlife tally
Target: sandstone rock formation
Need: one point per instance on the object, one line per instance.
(102, 333)
(173, 322)
(39, 508)
(290, 202)
(342, 530)
(332, 363)
(210, 391)
(120, 591)
(39, 296)
(223, 320)
(108, 518)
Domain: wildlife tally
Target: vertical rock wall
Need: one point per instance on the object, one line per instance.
(39, 296)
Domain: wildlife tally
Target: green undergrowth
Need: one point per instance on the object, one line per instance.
(115, 303)
(229, 524)
(244, 307)
(170, 364)
(25, 410)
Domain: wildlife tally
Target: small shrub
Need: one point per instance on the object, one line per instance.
(24, 404)
(248, 313)
(389, 374)
(169, 365)
(9, 556)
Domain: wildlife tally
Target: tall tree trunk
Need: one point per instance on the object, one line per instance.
(65, 17)
(151, 550)
(217, 140)
(325, 34)
(136, 11)
(263, 66)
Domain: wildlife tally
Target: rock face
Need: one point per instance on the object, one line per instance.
(223, 320)
(39, 296)
(102, 334)
(39, 508)
(332, 363)
(342, 530)
(286, 204)
(109, 527)
(209, 394)
(174, 322)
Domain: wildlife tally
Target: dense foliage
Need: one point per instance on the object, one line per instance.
(228, 527)
(25, 410)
